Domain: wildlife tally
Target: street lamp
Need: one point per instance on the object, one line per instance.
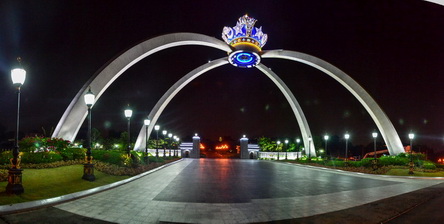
(374, 135)
(88, 167)
(146, 122)
(286, 148)
(128, 114)
(18, 76)
(164, 132)
(177, 145)
(411, 165)
(277, 146)
(326, 137)
(309, 151)
(170, 135)
(157, 127)
(297, 145)
(346, 136)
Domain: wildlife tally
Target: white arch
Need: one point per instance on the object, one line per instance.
(180, 84)
(381, 120)
(75, 114)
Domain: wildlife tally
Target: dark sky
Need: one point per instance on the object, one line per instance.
(394, 49)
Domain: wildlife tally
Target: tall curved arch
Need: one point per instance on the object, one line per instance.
(185, 80)
(381, 120)
(75, 114)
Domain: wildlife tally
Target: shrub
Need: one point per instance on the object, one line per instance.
(336, 163)
(429, 165)
(5, 157)
(153, 159)
(394, 160)
(32, 144)
(3, 175)
(40, 157)
(355, 163)
(73, 153)
(115, 157)
(367, 162)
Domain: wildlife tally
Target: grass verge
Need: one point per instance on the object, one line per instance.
(405, 172)
(47, 183)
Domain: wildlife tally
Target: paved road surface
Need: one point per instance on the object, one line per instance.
(245, 191)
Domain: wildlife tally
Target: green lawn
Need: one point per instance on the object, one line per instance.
(53, 182)
(405, 172)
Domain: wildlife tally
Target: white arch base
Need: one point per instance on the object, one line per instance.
(76, 112)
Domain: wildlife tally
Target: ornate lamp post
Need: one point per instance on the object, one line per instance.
(286, 148)
(297, 145)
(146, 122)
(157, 127)
(18, 76)
(326, 137)
(128, 114)
(346, 136)
(411, 165)
(88, 167)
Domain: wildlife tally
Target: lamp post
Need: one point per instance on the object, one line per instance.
(157, 127)
(170, 142)
(346, 136)
(146, 122)
(88, 167)
(164, 132)
(177, 145)
(297, 145)
(375, 165)
(309, 150)
(286, 148)
(277, 148)
(326, 137)
(18, 76)
(128, 114)
(411, 165)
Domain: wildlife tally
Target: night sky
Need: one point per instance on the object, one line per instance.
(394, 49)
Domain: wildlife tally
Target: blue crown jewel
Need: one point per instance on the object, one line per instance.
(244, 32)
(247, 42)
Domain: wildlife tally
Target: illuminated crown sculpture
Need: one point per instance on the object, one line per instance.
(247, 41)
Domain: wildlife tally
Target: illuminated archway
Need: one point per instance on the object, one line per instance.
(75, 114)
(179, 85)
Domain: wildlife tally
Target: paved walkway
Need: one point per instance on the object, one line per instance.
(245, 191)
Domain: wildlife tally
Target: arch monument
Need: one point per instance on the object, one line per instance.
(243, 43)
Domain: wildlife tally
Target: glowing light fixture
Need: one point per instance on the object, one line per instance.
(128, 113)
(18, 76)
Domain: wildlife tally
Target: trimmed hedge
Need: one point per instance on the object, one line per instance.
(73, 153)
(40, 157)
(394, 160)
(115, 157)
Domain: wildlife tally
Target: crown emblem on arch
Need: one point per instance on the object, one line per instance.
(244, 33)
(247, 42)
